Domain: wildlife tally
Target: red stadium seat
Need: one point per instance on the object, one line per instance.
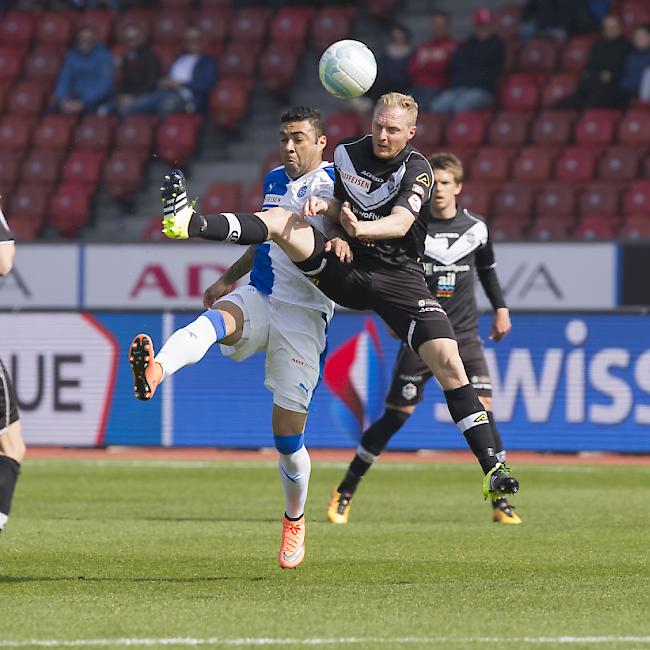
(636, 12)
(552, 128)
(600, 198)
(9, 167)
(15, 133)
(465, 130)
(464, 154)
(42, 167)
(54, 29)
(229, 102)
(635, 227)
(176, 138)
(508, 228)
(69, 209)
(10, 64)
(381, 8)
(508, 128)
(222, 197)
(278, 67)
(550, 227)
(533, 164)
(476, 197)
(83, 167)
(557, 199)
(576, 52)
(94, 132)
(27, 99)
(519, 92)
(43, 64)
(101, 20)
(428, 135)
(122, 174)
(506, 21)
(513, 200)
(215, 24)
(253, 198)
(238, 62)
(170, 26)
(538, 55)
(291, 25)
(596, 127)
(135, 133)
(271, 161)
(619, 164)
(634, 128)
(492, 164)
(17, 29)
(54, 132)
(557, 87)
(636, 201)
(330, 24)
(595, 227)
(27, 228)
(140, 17)
(345, 124)
(28, 202)
(249, 25)
(575, 165)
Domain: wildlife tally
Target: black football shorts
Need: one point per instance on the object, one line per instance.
(8, 400)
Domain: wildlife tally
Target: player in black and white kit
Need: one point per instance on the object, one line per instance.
(381, 186)
(12, 447)
(457, 247)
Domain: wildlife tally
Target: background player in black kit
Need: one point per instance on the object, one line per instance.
(380, 187)
(457, 246)
(12, 447)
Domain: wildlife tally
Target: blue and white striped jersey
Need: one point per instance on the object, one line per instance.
(274, 274)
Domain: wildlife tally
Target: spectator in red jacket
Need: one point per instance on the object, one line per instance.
(429, 64)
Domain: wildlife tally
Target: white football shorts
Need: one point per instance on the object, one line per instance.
(294, 339)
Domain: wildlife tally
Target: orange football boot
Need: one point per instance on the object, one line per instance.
(292, 549)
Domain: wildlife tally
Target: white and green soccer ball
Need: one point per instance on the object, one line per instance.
(347, 69)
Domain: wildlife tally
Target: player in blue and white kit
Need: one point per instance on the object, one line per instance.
(280, 312)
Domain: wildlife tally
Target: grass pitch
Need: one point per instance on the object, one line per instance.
(176, 555)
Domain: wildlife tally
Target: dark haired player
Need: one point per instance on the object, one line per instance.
(457, 246)
(12, 447)
(381, 198)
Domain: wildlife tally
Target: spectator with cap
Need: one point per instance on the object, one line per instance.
(429, 64)
(636, 78)
(475, 69)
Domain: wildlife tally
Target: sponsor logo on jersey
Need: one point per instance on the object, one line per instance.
(424, 179)
(272, 198)
(409, 391)
(353, 179)
(368, 216)
(417, 189)
(302, 191)
(482, 417)
(415, 202)
(446, 235)
(372, 177)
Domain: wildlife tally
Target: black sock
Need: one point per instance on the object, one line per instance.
(374, 440)
(237, 228)
(463, 403)
(292, 518)
(9, 470)
(498, 442)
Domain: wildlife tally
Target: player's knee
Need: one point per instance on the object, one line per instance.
(289, 444)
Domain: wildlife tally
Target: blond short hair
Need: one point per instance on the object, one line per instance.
(398, 100)
(449, 163)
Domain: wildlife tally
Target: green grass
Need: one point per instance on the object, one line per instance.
(117, 549)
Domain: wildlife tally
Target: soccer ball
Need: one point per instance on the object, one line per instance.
(347, 69)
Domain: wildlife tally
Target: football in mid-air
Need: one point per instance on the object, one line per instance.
(347, 69)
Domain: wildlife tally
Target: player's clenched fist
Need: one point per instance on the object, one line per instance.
(313, 206)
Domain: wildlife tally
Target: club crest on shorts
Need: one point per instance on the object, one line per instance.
(409, 391)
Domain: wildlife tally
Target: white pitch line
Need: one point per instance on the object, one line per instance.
(263, 641)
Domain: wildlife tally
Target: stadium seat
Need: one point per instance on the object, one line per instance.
(557, 87)
(507, 129)
(215, 24)
(533, 164)
(135, 133)
(94, 132)
(552, 128)
(54, 132)
(465, 130)
(43, 64)
(222, 197)
(249, 26)
(15, 133)
(238, 62)
(556, 199)
(330, 24)
(101, 20)
(635, 227)
(27, 227)
(9, 168)
(596, 127)
(382, 9)
(122, 174)
(27, 98)
(229, 102)
(506, 21)
(429, 132)
(519, 92)
(41, 167)
(538, 55)
(290, 25)
(176, 138)
(83, 168)
(550, 227)
(619, 164)
(491, 164)
(636, 12)
(69, 209)
(253, 198)
(602, 198)
(278, 67)
(10, 64)
(464, 154)
(170, 26)
(54, 29)
(576, 52)
(476, 197)
(17, 29)
(29, 203)
(344, 124)
(575, 165)
(634, 128)
(513, 200)
(636, 201)
(508, 228)
(595, 227)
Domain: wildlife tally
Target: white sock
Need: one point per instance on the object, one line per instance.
(187, 345)
(294, 472)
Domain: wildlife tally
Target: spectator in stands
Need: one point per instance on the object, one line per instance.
(392, 65)
(86, 77)
(561, 18)
(600, 84)
(636, 78)
(475, 69)
(186, 88)
(429, 63)
(139, 69)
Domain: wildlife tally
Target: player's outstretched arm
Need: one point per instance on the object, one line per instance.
(396, 224)
(328, 207)
(225, 283)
